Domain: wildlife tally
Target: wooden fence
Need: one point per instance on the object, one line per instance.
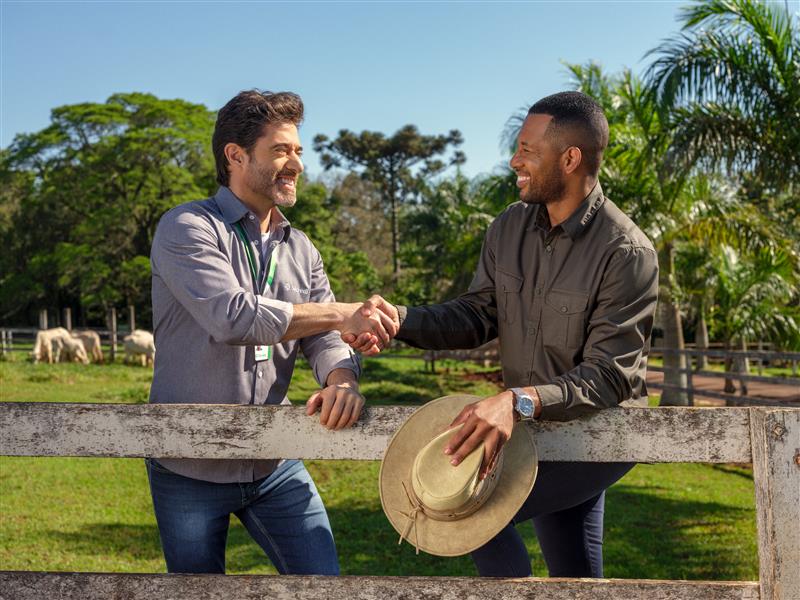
(767, 438)
(735, 355)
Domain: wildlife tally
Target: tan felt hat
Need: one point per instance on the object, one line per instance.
(446, 510)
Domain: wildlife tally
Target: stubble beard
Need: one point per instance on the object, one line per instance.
(264, 181)
(546, 191)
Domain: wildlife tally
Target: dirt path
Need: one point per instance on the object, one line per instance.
(788, 394)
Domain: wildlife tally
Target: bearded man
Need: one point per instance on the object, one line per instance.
(568, 283)
(236, 293)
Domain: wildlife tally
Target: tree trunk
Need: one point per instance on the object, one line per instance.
(395, 228)
(729, 388)
(674, 364)
(701, 338)
(742, 365)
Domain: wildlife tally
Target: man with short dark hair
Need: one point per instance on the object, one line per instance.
(568, 283)
(237, 292)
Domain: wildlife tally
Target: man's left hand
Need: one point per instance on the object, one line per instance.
(490, 421)
(339, 404)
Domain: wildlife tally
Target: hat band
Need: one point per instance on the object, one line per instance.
(481, 494)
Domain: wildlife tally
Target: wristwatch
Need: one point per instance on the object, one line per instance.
(523, 404)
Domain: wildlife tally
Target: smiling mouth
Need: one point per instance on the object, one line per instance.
(286, 181)
(522, 181)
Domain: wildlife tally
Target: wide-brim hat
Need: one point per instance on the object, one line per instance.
(414, 462)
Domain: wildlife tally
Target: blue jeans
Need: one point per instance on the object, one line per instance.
(282, 512)
(566, 506)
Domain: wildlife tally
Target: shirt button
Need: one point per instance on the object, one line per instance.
(255, 242)
(538, 291)
(563, 309)
(260, 374)
(549, 249)
(252, 218)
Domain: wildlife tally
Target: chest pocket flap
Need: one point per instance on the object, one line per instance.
(567, 302)
(508, 295)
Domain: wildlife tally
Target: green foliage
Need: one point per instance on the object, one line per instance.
(730, 85)
(398, 165)
(81, 199)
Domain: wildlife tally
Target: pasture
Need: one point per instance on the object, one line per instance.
(667, 521)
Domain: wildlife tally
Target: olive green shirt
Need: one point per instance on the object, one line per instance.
(573, 306)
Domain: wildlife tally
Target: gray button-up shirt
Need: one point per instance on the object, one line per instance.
(573, 306)
(208, 318)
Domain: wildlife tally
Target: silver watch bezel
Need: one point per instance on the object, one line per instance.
(523, 401)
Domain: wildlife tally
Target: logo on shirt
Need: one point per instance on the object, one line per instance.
(292, 288)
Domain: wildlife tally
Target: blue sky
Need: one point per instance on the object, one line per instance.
(357, 65)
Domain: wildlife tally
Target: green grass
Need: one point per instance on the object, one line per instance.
(84, 514)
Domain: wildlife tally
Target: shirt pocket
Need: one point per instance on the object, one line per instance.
(509, 289)
(563, 323)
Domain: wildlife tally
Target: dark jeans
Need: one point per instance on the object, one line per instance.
(566, 506)
(282, 512)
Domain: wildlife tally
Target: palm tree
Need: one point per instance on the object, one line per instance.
(731, 81)
(753, 300)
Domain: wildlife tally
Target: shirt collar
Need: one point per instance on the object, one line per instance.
(234, 210)
(579, 220)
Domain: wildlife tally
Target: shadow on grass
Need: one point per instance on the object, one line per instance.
(647, 536)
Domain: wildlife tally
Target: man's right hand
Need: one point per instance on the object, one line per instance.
(376, 307)
(372, 326)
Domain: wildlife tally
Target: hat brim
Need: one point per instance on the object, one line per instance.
(454, 538)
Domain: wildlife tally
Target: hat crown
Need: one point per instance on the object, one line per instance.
(438, 484)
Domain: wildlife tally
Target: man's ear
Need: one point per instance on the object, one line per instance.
(235, 155)
(571, 159)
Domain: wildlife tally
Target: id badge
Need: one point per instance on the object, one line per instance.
(263, 353)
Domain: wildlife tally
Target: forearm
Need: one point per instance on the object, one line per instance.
(459, 323)
(317, 317)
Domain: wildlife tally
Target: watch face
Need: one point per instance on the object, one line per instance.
(525, 406)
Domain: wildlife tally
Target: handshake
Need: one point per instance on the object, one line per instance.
(371, 326)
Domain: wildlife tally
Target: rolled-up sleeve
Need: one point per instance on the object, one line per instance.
(618, 336)
(326, 351)
(187, 258)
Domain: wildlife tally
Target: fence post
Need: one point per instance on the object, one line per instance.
(775, 439)
(3, 342)
(68, 318)
(131, 317)
(689, 382)
(43, 319)
(112, 321)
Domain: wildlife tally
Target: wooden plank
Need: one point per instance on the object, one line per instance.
(776, 473)
(710, 435)
(22, 585)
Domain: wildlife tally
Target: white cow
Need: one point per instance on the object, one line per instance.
(140, 344)
(72, 349)
(48, 345)
(91, 343)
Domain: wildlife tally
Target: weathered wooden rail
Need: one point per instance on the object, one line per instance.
(767, 438)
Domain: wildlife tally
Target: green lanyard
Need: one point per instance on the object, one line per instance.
(251, 261)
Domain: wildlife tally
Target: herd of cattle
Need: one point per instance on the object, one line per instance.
(60, 345)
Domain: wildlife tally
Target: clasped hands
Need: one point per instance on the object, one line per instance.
(488, 421)
(371, 326)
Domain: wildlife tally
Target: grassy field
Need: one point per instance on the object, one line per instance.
(83, 514)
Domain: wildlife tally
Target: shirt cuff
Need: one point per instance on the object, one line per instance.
(272, 320)
(552, 398)
(402, 313)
